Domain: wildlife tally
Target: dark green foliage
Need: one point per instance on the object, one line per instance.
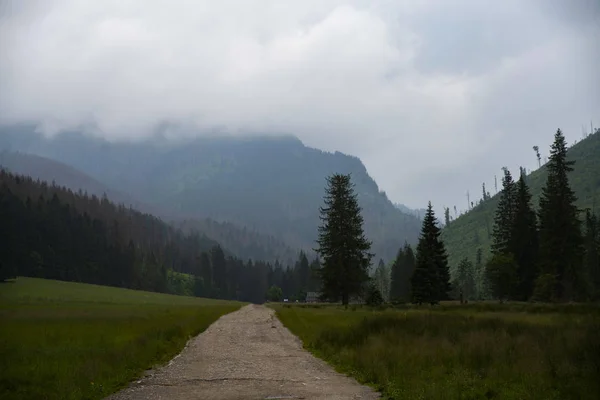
(274, 293)
(343, 248)
(402, 272)
(524, 241)
(560, 238)
(505, 216)
(73, 237)
(459, 235)
(501, 273)
(592, 254)
(373, 297)
(431, 279)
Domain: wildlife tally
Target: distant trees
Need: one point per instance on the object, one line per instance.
(51, 232)
(465, 280)
(342, 246)
(401, 274)
(274, 293)
(431, 278)
(381, 279)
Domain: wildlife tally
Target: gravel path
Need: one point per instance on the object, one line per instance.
(247, 354)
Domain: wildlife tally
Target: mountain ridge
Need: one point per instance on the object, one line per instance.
(272, 184)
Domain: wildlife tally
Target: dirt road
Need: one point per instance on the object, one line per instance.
(247, 354)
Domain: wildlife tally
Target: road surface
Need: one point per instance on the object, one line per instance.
(247, 354)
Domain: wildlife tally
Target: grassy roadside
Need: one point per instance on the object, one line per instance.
(472, 352)
(62, 340)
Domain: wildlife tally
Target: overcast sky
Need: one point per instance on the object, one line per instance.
(434, 96)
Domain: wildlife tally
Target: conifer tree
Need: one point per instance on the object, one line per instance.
(431, 278)
(447, 215)
(342, 246)
(560, 237)
(504, 218)
(402, 271)
(524, 241)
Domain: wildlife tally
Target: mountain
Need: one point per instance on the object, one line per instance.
(473, 229)
(273, 185)
(47, 170)
(244, 243)
(418, 212)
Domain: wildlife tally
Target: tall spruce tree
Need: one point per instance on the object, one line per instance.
(504, 218)
(560, 237)
(524, 241)
(402, 271)
(342, 246)
(431, 279)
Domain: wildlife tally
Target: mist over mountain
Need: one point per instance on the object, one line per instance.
(271, 184)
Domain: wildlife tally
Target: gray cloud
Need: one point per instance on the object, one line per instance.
(434, 96)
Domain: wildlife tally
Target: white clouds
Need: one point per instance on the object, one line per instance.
(395, 83)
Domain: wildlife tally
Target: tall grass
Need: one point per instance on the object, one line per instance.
(424, 354)
(62, 340)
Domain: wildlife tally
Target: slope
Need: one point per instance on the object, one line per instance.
(268, 184)
(244, 243)
(473, 229)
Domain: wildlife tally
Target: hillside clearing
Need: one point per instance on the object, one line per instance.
(62, 340)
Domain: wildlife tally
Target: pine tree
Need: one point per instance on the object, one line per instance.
(431, 278)
(524, 241)
(504, 218)
(342, 246)
(465, 279)
(402, 271)
(447, 215)
(560, 237)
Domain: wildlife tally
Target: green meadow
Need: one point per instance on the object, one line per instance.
(62, 340)
(475, 351)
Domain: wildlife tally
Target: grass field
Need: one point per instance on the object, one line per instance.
(61, 340)
(479, 351)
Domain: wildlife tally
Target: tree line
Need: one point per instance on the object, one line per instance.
(51, 232)
(421, 277)
(544, 254)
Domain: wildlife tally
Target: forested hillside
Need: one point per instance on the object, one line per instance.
(270, 184)
(51, 232)
(244, 243)
(472, 231)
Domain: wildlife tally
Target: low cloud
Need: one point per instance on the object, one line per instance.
(433, 96)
